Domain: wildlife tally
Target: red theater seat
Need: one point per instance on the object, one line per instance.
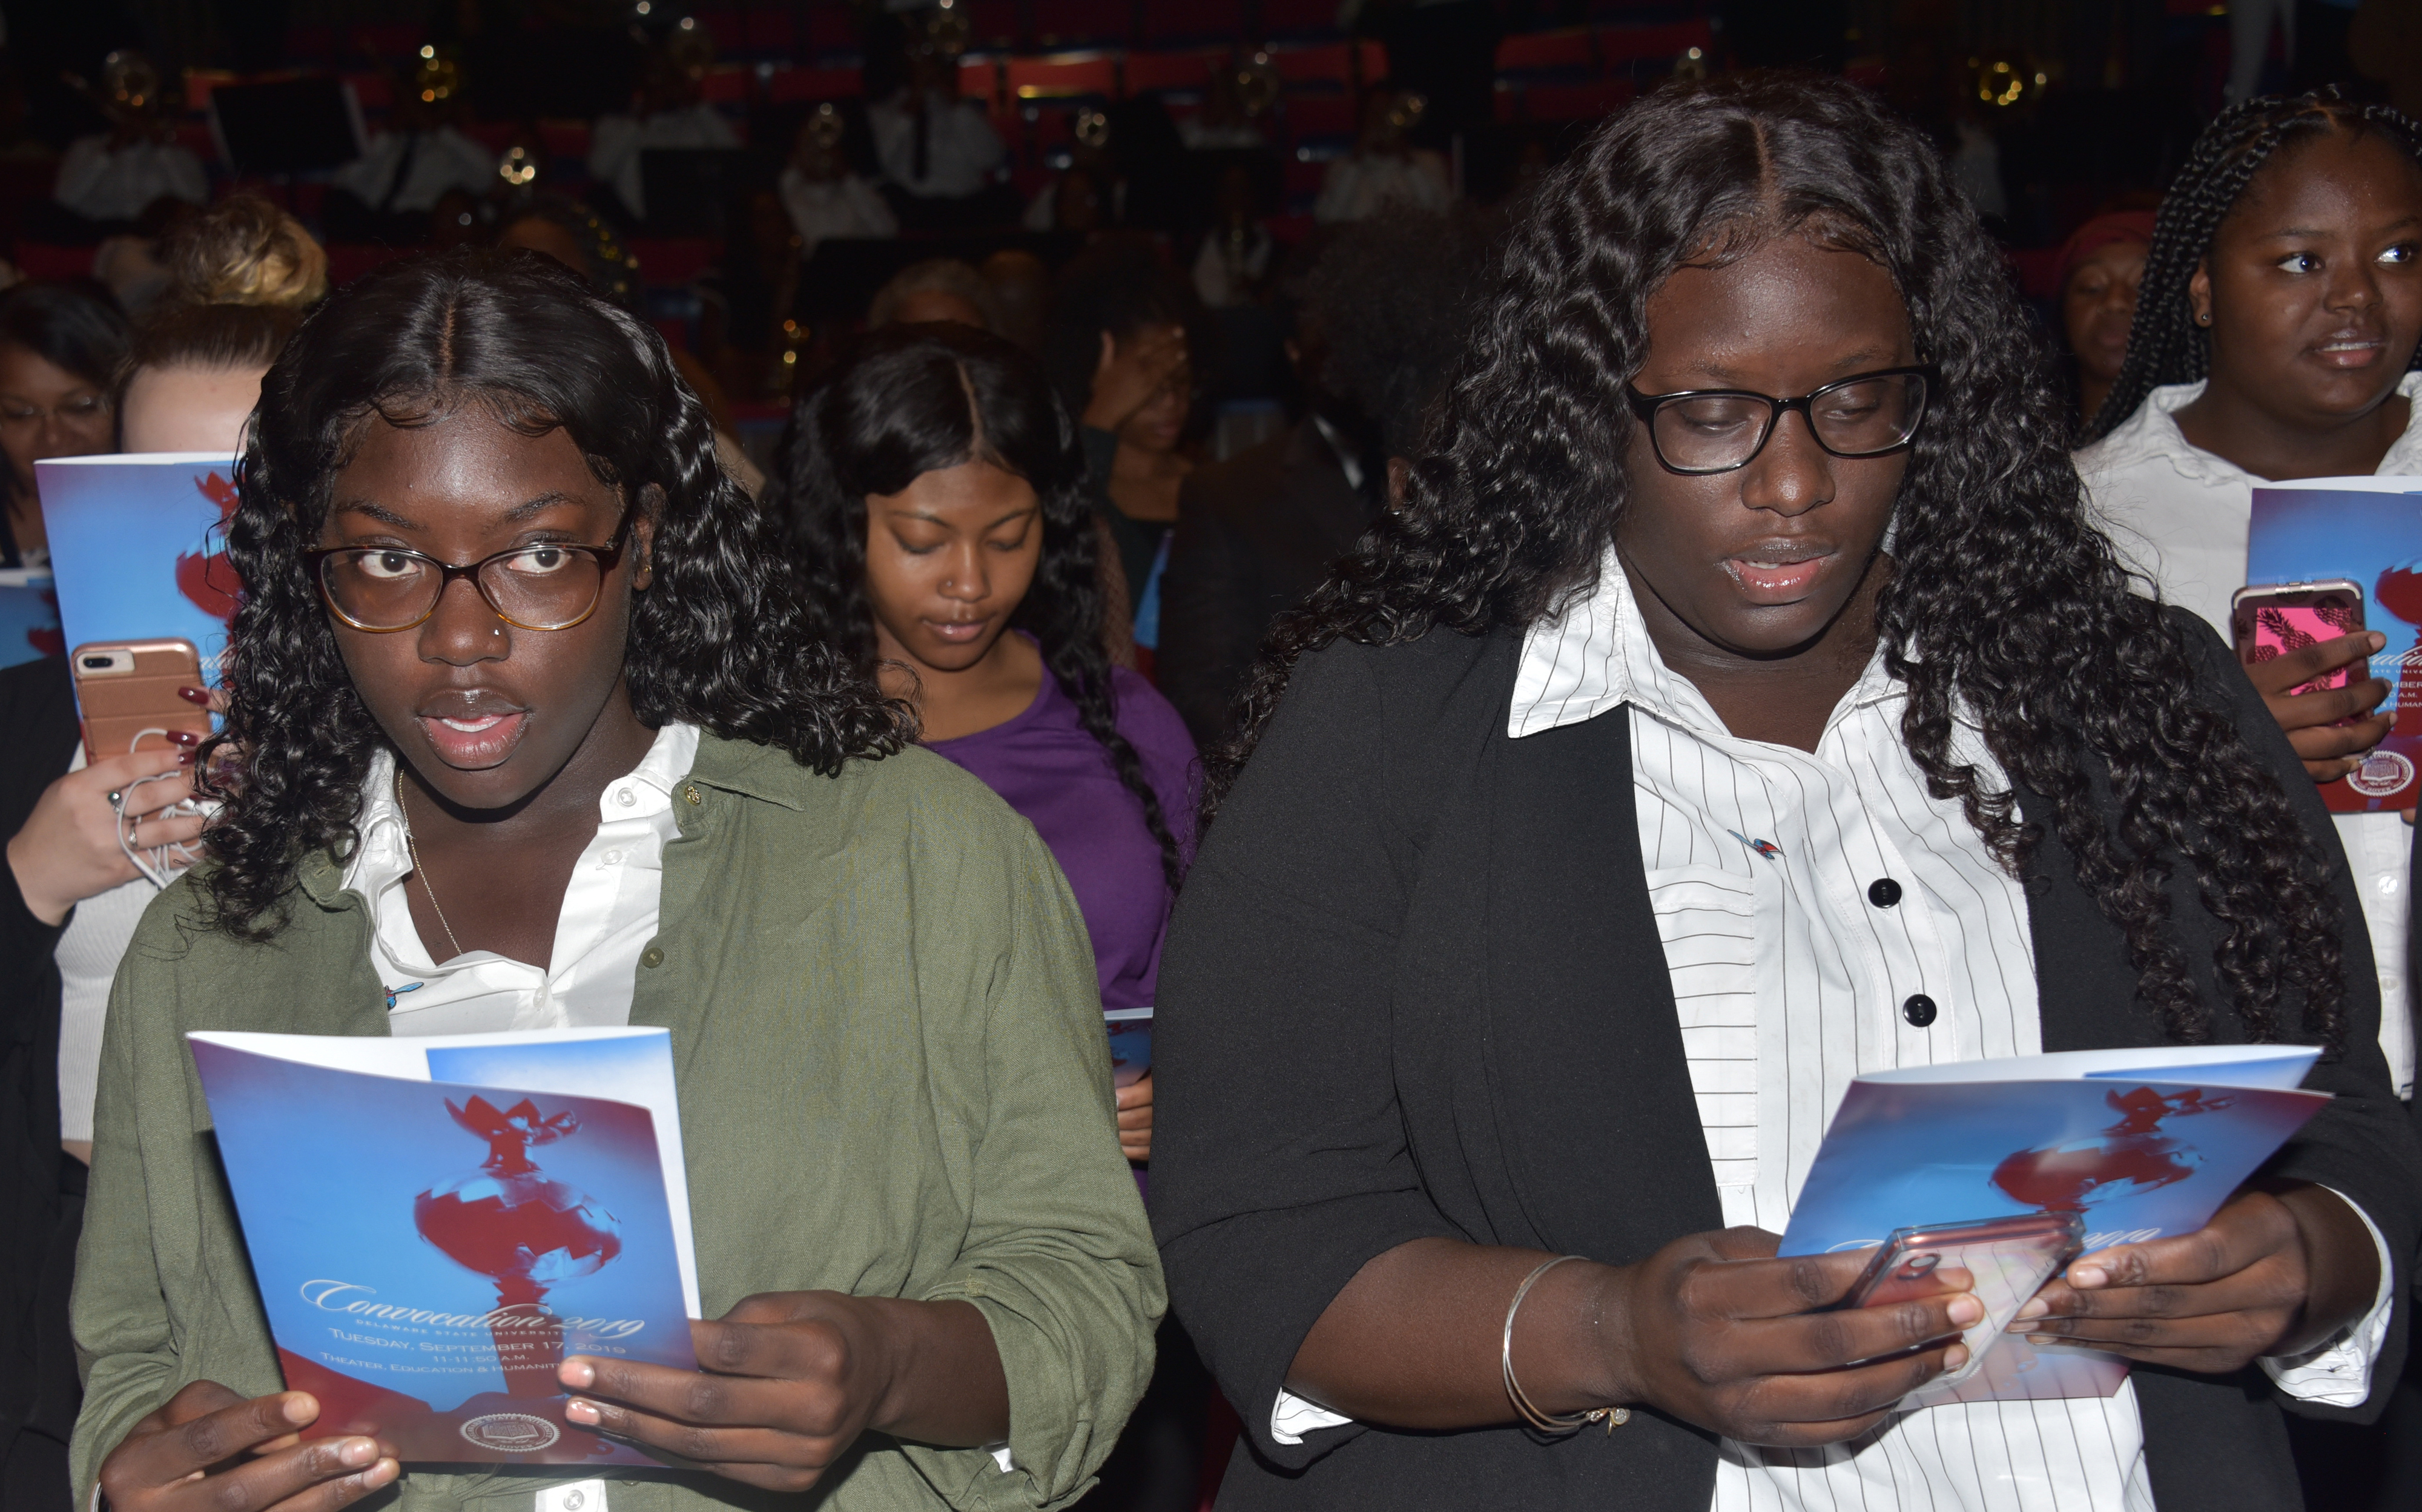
(1568, 51)
(788, 85)
(1063, 77)
(1058, 21)
(1577, 102)
(1146, 71)
(1618, 45)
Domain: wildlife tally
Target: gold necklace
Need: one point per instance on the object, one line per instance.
(417, 869)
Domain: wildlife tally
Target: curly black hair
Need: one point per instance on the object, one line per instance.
(908, 399)
(719, 637)
(2007, 604)
(2164, 343)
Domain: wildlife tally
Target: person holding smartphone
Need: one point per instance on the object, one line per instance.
(1741, 700)
(525, 730)
(2276, 335)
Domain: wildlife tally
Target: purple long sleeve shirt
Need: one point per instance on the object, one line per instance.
(1062, 779)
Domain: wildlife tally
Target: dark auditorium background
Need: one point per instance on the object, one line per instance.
(2053, 112)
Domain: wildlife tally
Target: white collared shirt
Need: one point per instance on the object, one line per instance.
(616, 143)
(963, 153)
(610, 913)
(2180, 516)
(1790, 980)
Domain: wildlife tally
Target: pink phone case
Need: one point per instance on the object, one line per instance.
(2271, 621)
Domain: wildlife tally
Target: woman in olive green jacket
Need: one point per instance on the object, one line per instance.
(522, 732)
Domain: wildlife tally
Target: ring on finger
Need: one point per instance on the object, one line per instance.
(117, 801)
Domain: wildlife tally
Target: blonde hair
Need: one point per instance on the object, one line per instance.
(245, 250)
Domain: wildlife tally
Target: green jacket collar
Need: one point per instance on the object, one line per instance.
(744, 768)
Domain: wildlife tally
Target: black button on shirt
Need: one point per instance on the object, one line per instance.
(1883, 892)
(1918, 1010)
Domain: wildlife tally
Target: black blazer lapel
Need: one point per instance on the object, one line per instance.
(1592, 1091)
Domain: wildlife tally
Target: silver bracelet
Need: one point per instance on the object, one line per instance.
(1614, 1417)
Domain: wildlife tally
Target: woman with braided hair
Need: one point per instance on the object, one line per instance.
(937, 494)
(2276, 335)
(1739, 701)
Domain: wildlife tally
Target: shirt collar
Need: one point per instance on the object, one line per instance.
(1594, 655)
(382, 855)
(2152, 434)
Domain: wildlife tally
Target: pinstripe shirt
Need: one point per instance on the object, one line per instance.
(1824, 916)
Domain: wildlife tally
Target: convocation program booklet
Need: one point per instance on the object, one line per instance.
(138, 548)
(2141, 1144)
(436, 1224)
(2367, 530)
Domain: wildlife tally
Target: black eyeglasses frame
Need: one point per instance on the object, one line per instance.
(607, 556)
(1645, 408)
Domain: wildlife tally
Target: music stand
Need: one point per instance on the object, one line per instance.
(283, 127)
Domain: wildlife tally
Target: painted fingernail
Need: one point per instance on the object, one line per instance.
(185, 758)
(195, 695)
(1965, 1309)
(2088, 1276)
(580, 1411)
(357, 1451)
(2033, 1307)
(577, 1372)
(183, 737)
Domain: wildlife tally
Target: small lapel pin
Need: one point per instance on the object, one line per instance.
(1767, 848)
(393, 993)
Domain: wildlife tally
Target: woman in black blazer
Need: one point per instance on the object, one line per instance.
(1420, 1033)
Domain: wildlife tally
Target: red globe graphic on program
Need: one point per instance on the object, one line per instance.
(512, 1223)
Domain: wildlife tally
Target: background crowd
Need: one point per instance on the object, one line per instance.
(1238, 241)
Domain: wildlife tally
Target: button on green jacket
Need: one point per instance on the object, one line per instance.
(894, 1082)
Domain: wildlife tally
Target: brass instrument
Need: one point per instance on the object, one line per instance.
(825, 127)
(1257, 85)
(947, 31)
(2004, 82)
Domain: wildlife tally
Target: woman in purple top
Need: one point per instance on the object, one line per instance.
(936, 488)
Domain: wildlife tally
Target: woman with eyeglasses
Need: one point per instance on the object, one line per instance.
(526, 730)
(60, 349)
(1741, 701)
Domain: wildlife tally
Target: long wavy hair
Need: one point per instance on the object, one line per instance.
(719, 637)
(2007, 604)
(2164, 343)
(915, 398)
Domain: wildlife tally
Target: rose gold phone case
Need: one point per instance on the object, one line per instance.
(127, 690)
(2008, 1260)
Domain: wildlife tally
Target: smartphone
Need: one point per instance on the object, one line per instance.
(2007, 1259)
(128, 692)
(2271, 619)
(1130, 1044)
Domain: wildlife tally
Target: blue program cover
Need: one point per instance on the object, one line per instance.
(29, 617)
(2142, 1145)
(428, 1250)
(138, 548)
(2369, 531)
